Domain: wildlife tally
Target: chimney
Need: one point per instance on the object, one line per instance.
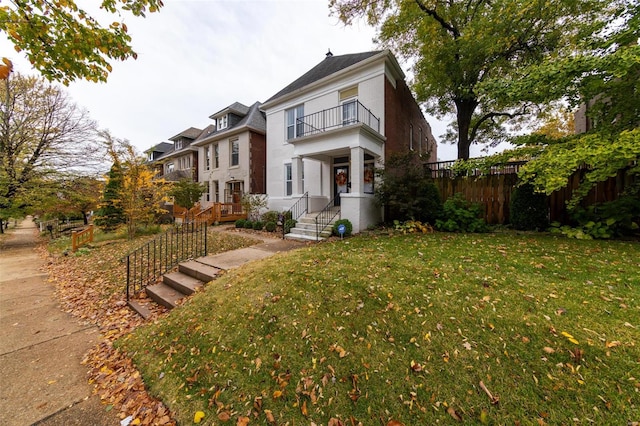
(329, 54)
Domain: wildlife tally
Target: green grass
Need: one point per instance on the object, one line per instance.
(378, 328)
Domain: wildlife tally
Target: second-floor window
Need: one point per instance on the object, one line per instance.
(235, 152)
(207, 164)
(295, 127)
(178, 145)
(216, 156)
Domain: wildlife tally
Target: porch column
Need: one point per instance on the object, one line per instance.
(296, 172)
(357, 170)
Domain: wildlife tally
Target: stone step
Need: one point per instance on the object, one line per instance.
(141, 309)
(181, 282)
(309, 232)
(199, 270)
(164, 295)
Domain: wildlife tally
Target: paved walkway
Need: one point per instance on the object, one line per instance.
(41, 347)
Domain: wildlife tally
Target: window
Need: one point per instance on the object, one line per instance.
(216, 192)
(411, 136)
(288, 179)
(178, 144)
(420, 140)
(150, 156)
(170, 167)
(207, 165)
(216, 156)
(295, 126)
(348, 99)
(235, 152)
(222, 122)
(207, 193)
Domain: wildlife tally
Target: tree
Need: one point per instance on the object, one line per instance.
(603, 73)
(65, 42)
(186, 193)
(110, 215)
(43, 137)
(457, 46)
(140, 194)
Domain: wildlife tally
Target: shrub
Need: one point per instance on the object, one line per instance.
(461, 215)
(248, 224)
(258, 225)
(240, 223)
(347, 225)
(616, 218)
(270, 226)
(528, 209)
(412, 226)
(271, 216)
(288, 224)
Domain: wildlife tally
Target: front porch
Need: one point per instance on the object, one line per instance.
(334, 163)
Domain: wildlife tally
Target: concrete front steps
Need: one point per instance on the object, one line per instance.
(190, 276)
(305, 229)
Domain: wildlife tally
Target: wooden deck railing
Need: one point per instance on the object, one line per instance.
(81, 238)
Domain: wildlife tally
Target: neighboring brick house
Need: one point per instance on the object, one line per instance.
(232, 154)
(327, 130)
(181, 162)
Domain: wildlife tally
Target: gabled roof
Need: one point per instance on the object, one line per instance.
(236, 107)
(330, 65)
(161, 147)
(190, 133)
(253, 120)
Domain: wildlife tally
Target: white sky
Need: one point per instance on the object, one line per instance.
(196, 57)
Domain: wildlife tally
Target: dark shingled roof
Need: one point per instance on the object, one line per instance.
(254, 119)
(330, 65)
(236, 107)
(190, 133)
(161, 147)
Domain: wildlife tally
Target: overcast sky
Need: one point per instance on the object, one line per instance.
(196, 57)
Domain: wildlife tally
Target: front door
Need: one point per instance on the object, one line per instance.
(340, 182)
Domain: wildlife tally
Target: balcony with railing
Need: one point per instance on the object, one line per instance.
(347, 114)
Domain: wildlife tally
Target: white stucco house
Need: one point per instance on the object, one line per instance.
(328, 129)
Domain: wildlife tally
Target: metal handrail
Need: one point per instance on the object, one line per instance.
(150, 261)
(300, 207)
(338, 116)
(325, 216)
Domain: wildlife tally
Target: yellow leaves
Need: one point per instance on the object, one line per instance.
(277, 394)
(548, 350)
(612, 344)
(242, 421)
(5, 69)
(570, 338)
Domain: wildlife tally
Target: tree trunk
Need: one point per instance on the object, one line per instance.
(465, 109)
(1, 226)
(85, 218)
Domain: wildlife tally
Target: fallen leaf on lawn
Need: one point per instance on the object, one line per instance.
(394, 423)
(570, 337)
(303, 409)
(277, 394)
(198, 416)
(548, 350)
(224, 416)
(452, 412)
(613, 344)
(270, 417)
(334, 422)
(415, 366)
(242, 421)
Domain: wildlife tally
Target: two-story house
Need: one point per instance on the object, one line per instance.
(181, 162)
(232, 154)
(330, 128)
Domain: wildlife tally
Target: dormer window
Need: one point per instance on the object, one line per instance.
(178, 144)
(150, 156)
(223, 122)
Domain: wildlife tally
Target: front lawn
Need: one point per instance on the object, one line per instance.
(419, 329)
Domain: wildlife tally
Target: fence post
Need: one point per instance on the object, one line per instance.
(74, 241)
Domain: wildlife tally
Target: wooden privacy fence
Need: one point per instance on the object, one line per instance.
(494, 189)
(80, 238)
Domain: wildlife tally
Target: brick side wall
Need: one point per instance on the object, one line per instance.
(402, 114)
(257, 163)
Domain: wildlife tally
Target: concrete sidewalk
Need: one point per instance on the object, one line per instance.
(41, 347)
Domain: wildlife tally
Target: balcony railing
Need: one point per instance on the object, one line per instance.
(342, 115)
